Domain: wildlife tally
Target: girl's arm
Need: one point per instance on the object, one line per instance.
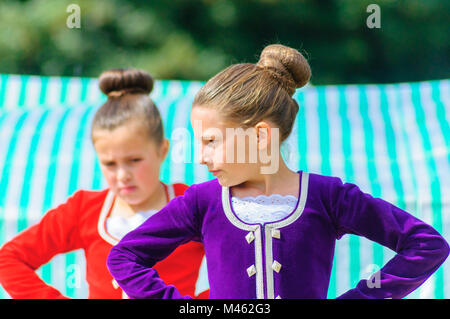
(420, 248)
(130, 262)
(57, 232)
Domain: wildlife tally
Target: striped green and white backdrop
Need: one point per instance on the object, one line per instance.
(392, 140)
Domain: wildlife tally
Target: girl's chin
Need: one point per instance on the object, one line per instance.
(225, 182)
(134, 204)
(131, 198)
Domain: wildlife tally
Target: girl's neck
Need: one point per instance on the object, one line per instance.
(283, 182)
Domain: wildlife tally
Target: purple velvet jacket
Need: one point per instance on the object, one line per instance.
(290, 258)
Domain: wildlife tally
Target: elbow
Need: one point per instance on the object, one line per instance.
(444, 250)
(118, 260)
(431, 248)
(8, 255)
(435, 246)
(440, 249)
(4, 261)
(114, 260)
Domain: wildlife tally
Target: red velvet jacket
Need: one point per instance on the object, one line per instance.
(79, 223)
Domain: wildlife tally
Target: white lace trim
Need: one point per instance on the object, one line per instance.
(119, 226)
(262, 208)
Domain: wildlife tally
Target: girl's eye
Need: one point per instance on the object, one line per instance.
(135, 160)
(109, 164)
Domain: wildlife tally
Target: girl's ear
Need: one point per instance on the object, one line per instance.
(263, 133)
(164, 149)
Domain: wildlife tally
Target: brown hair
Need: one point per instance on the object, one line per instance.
(127, 91)
(248, 93)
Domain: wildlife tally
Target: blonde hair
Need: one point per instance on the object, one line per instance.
(128, 98)
(248, 93)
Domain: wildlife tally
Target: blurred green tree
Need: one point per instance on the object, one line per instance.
(194, 39)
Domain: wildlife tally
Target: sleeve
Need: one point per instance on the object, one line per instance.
(57, 232)
(130, 262)
(420, 248)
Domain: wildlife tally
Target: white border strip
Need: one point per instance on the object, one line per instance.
(101, 220)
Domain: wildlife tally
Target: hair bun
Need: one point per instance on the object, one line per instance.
(288, 63)
(117, 82)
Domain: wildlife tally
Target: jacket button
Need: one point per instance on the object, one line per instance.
(250, 237)
(251, 270)
(115, 284)
(276, 266)
(276, 233)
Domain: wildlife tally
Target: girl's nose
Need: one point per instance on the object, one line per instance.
(205, 156)
(123, 175)
(202, 158)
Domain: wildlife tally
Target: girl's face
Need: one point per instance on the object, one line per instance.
(130, 162)
(227, 158)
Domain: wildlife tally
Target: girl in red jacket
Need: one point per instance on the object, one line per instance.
(127, 135)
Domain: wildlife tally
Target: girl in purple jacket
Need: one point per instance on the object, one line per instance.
(269, 232)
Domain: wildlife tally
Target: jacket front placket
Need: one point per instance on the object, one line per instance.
(262, 236)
